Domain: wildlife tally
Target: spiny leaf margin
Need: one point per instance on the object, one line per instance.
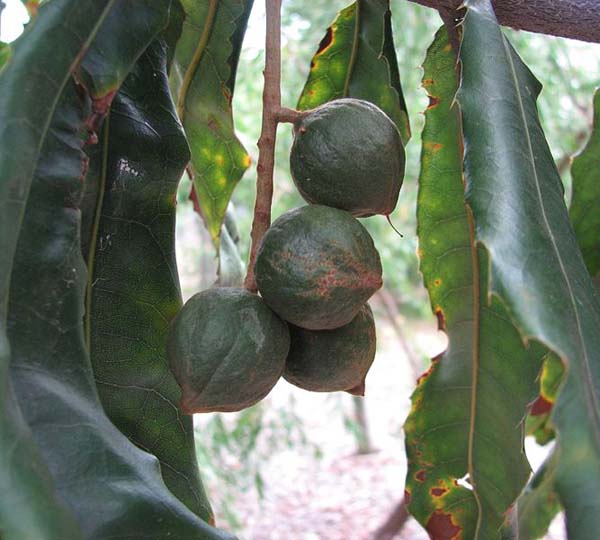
(468, 409)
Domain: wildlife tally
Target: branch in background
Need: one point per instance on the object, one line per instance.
(388, 302)
(394, 523)
(363, 436)
(576, 19)
(565, 162)
(2, 6)
(452, 19)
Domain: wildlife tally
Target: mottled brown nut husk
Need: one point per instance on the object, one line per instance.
(316, 266)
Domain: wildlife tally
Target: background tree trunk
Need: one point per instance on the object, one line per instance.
(363, 437)
(394, 523)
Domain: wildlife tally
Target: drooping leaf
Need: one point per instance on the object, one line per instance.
(356, 58)
(464, 435)
(586, 223)
(538, 504)
(205, 64)
(536, 267)
(133, 288)
(538, 421)
(42, 61)
(585, 202)
(41, 64)
(113, 489)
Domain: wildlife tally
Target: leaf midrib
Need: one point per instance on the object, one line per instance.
(197, 57)
(50, 117)
(94, 235)
(474, 366)
(353, 52)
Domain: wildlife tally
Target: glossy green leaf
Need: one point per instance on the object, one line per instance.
(356, 58)
(585, 201)
(113, 489)
(42, 61)
(538, 504)
(536, 267)
(30, 86)
(205, 65)
(464, 434)
(133, 286)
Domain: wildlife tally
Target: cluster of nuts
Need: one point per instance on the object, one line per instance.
(315, 269)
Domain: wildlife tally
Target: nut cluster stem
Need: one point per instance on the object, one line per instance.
(272, 114)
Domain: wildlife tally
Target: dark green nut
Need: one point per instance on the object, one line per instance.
(333, 360)
(227, 350)
(348, 154)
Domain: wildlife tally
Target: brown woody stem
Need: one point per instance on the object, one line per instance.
(291, 116)
(576, 19)
(272, 114)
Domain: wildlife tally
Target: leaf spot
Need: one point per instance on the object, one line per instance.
(441, 527)
(433, 102)
(441, 318)
(540, 406)
(326, 41)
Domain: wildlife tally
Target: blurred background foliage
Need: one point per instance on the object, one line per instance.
(232, 451)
